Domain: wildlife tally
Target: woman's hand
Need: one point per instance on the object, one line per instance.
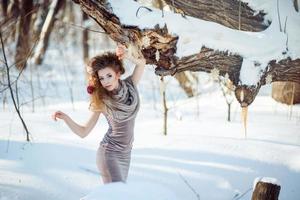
(131, 54)
(121, 51)
(59, 115)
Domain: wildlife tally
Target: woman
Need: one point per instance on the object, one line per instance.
(118, 101)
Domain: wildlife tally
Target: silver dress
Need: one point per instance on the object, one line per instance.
(114, 152)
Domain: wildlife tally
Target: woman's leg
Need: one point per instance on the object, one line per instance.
(114, 167)
(118, 165)
(102, 165)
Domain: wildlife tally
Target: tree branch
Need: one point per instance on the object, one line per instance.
(11, 90)
(164, 44)
(225, 12)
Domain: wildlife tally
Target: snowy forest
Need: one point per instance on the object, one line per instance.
(219, 114)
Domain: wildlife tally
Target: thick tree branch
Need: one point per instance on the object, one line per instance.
(159, 39)
(234, 14)
(208, 60)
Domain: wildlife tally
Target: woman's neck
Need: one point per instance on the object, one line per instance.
(117, 89)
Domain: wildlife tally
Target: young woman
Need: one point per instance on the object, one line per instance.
(118, 101)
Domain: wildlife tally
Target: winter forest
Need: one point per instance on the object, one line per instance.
(219, 115)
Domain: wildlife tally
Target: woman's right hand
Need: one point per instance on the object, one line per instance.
(59, 115)
(121, 51)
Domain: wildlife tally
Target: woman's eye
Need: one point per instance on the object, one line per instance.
(109, 76)
(101, 79)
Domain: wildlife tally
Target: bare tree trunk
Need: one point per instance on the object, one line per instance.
(185, 82)
(40, 18)
(10, 11)
(32, 88)
(286, 92)
(4, 6)
(46, 31)
(10, 21)
(164, 101)
(227, 91)
(4, 101)
(228, 112)
(85, 38)
(296, 5)
(24, 37)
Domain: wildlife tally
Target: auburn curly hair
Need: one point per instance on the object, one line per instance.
(95, 64)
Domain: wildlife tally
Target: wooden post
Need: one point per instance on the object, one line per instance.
(266, 190)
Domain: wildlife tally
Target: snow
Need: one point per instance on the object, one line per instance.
(202, 155)
(205, 151)
(250, 72)
(194, 33)
(129, 191)
(270, 180)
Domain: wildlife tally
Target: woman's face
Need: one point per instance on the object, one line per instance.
(109, 79)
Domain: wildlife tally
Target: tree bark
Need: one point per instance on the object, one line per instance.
(160, 40)
(208, 60)
(230, 13)
(296, 5)
(266, 191)
(9, 22)
(165, 107)
(4, 6)
(185, 82)
(40, 17)
(85, 38)
(286, 92)
(24, 37)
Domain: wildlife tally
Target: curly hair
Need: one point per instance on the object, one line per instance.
(95, 64)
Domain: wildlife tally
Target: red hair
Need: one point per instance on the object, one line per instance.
(95, 64)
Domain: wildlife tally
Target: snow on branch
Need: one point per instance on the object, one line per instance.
(174, 43)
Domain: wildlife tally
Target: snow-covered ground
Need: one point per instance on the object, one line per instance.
(202, 155)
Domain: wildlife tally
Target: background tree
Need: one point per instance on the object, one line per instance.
(24, 36)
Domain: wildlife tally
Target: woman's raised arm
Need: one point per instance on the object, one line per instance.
(134, 57)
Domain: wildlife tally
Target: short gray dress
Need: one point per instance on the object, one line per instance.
(114, 152)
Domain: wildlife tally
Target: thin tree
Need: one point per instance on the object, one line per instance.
(165, 107)
(85, 38)
(11, 90)
(228, 92)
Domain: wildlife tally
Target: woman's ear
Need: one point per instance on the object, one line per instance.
(118, 74)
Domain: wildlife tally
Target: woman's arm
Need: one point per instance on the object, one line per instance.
(138, 60)
(138, 70)
(81, 131)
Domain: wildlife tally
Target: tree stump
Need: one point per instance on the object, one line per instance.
(266, 190)
(286, 92)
